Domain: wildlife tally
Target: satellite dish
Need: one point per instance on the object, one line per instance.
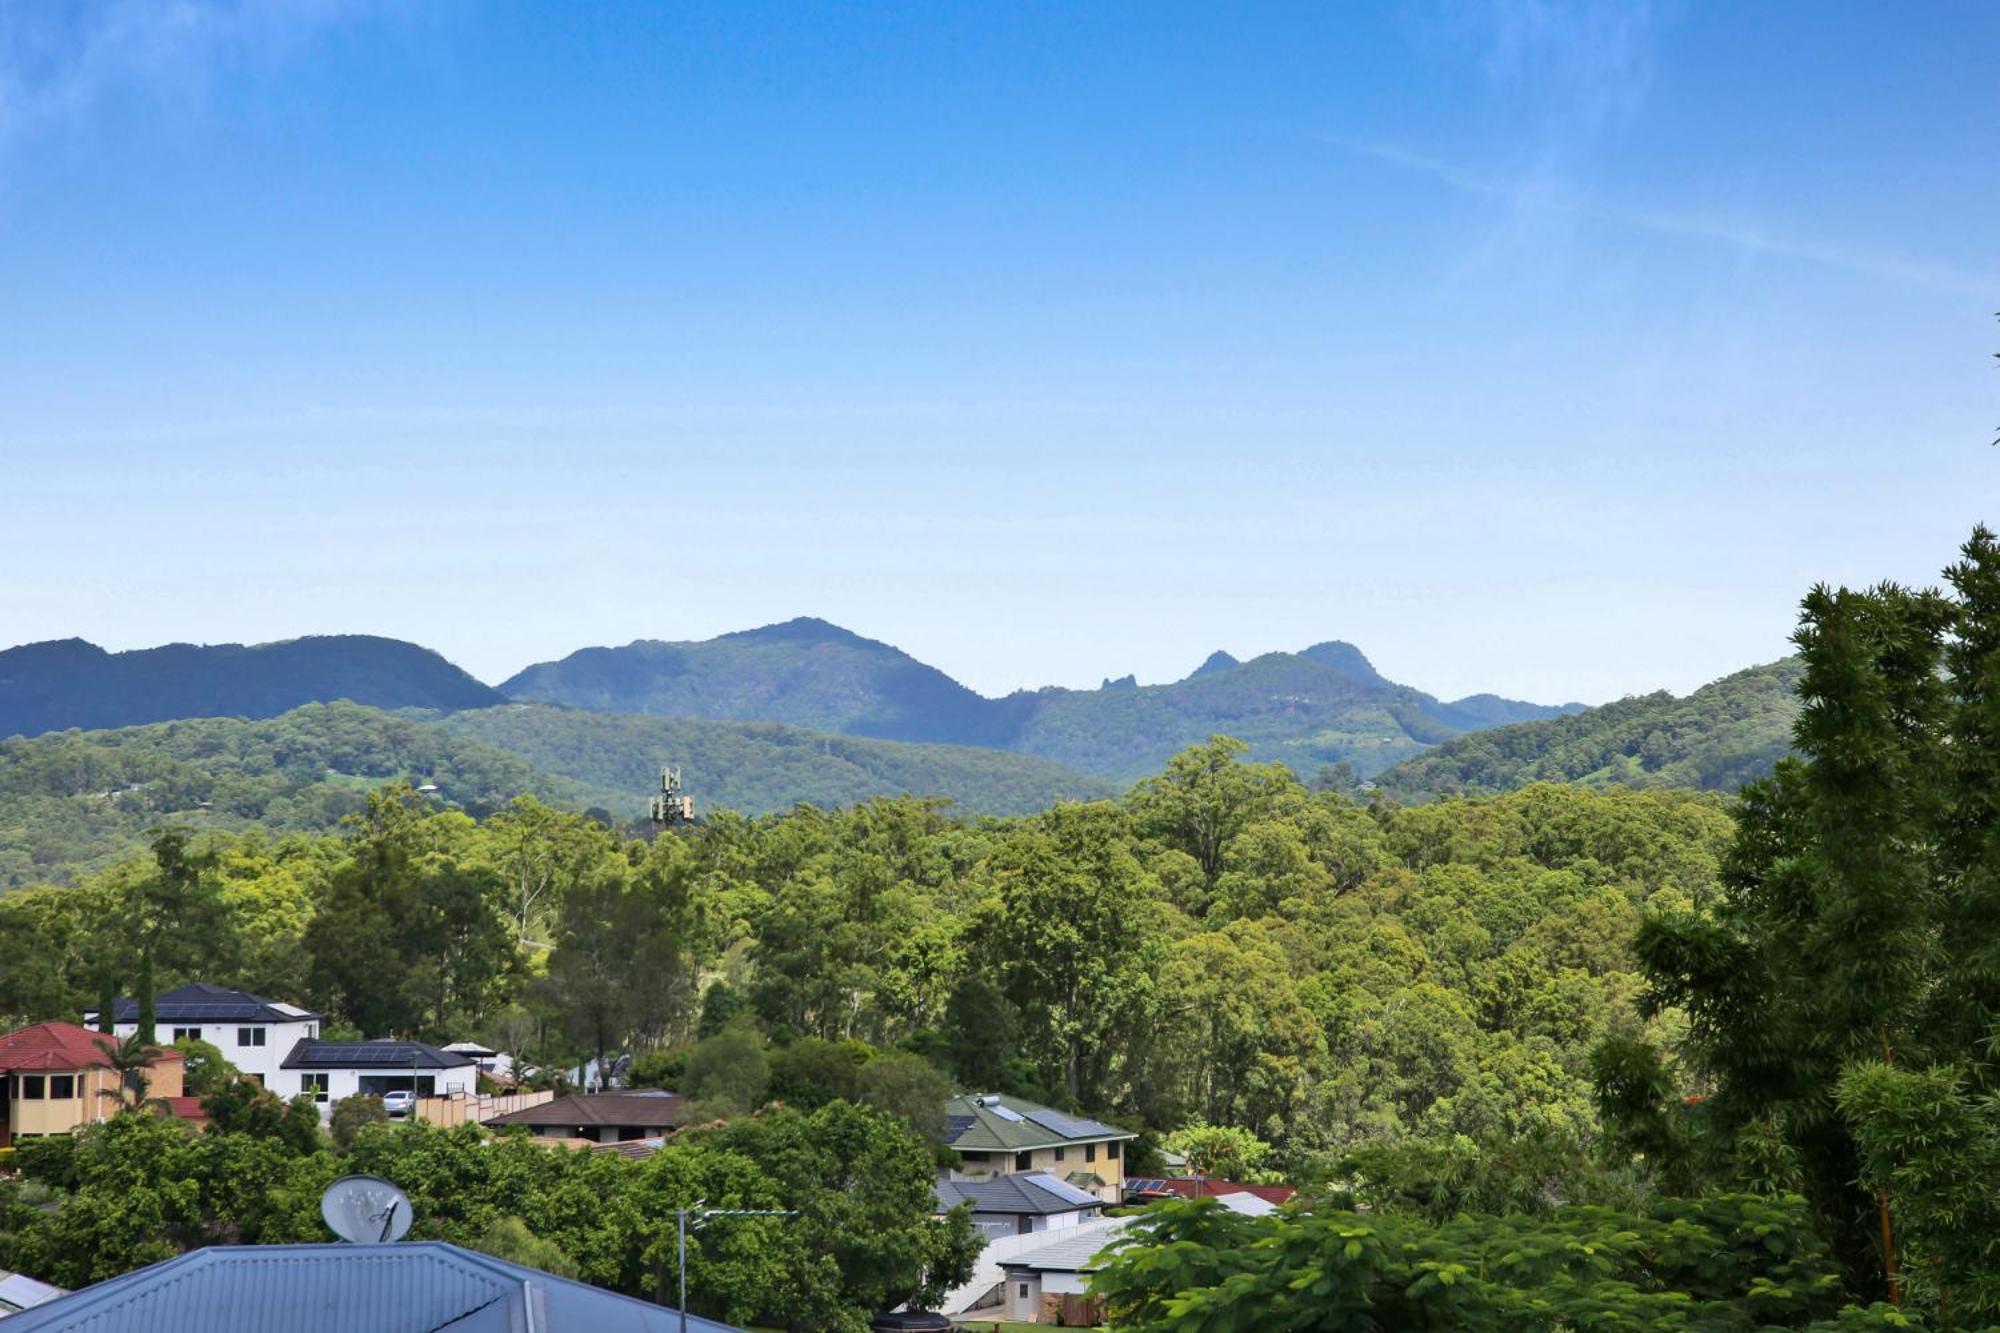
(367, 1210)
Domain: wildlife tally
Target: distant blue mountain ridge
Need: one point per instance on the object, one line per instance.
(1323, 705)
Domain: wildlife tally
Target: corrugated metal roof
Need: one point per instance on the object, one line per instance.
(408, 1288)
(1076, 1252)
(20, 1292)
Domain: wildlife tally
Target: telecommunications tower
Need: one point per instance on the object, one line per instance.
(670, 806)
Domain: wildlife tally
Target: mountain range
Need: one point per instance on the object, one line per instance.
(1322, 705)
(808, 711)
(70, 683)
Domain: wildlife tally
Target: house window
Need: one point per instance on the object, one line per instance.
(249, 1036)
(187, 1034)
(62, 1087)
(1111, 1150)
(315, 1084)
(1024, 1161)
(1024, 1291)
(31, 1087)
(1089, 1152)
(1059, 1154)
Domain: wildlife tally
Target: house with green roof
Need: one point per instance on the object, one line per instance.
(998, 1135)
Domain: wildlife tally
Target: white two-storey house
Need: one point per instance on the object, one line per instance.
(253, 1033)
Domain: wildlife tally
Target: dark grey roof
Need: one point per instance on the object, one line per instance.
(409, 1288)
(1023, 1192)
(384, 1053)
(200, 1002)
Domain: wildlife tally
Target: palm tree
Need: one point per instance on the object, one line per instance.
(131, 1059)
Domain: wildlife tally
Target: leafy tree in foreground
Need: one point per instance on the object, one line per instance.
(1842, 996)
(1733, 1262)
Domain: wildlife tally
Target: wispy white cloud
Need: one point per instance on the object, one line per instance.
(61, 60)
(1580, 64)
(1539, 192)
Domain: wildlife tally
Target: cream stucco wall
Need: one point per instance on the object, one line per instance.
(96, 1096)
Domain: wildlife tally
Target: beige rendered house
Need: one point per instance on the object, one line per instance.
(55, 1077)
(998, 1135)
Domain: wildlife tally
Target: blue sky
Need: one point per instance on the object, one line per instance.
(1542, 348)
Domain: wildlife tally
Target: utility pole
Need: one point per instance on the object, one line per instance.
(701, 1216)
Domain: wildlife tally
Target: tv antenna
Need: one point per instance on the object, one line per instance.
(366, 1210)
(671, 806)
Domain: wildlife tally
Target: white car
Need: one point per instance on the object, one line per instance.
(400, 1102)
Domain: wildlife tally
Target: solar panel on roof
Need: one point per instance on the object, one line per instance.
(362, 1053)
(955, 1125)
(1005, 1114)
(1065, 1192)
(205, 1010)
(1069, 1126)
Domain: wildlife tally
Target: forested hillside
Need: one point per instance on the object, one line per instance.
(71, 801)
(69, 683)
(1221, 945)
(759, 767)
(1716, 739)
(1324, 705)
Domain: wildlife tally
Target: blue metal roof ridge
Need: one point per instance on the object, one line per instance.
(107, 1307)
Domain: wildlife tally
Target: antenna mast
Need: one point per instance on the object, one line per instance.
(671, 807)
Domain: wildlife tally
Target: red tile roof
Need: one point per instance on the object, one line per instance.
(60, 1046)
(187, 1108)
(1186, 1187)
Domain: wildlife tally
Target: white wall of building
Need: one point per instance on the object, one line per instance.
(348, 1082)
(1024, 1297)
(1059, 1221)
(255, 1048)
